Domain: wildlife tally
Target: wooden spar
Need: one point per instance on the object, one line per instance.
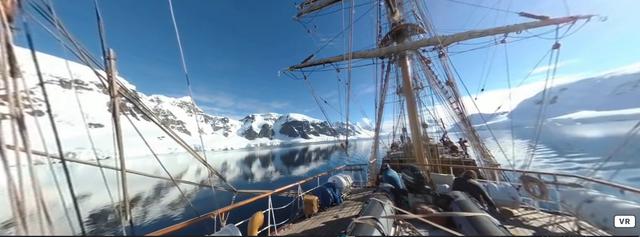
(115, 116)
(441, 40)
(242, 203)
(310, 6)
(594, 180)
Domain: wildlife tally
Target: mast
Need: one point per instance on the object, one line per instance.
(403, 35)
(115, 116)
(399, 47)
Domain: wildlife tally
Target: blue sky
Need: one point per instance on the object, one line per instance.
(235, 48)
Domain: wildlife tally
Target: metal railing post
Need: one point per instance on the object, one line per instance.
(215, 223)
(269, 216)
(272, 217)
(299, 201)
(299, 197)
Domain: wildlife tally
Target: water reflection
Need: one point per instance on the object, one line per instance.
(158, 203)
(269, 165)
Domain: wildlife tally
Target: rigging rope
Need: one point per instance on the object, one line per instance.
(114, 104)
(525, 78)
(341, 9)
(101, 30)
(164, 168)
(486, 71)
(508, 71)
(551, 74)
(444, 64)
(339, 91)
(35, 184)
(77, 98)
(478, 146)
(190, 91)
(18, 216)
(186, 76)
(350, 57)
(315, 98)
(632, 132)
(330, 41)
(86, 58)
(50, 164)
(481, 116)
(51, 170)
(41, 199)
(15, 200)
(55, 130)
(10, 74)
(20, 123)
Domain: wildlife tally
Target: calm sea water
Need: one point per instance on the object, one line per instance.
(158, 203)
(575, 149)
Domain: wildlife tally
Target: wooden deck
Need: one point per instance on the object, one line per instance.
(332, 221)
(528, 221)
(523, 221)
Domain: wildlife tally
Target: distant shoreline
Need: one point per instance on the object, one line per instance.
(288, 144)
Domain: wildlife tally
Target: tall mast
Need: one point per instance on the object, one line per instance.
(396, 19)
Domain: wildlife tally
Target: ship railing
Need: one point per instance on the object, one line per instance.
(553, 181)
(358, 173)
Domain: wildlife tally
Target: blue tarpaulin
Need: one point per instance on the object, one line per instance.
(392, 177)
(329, 195)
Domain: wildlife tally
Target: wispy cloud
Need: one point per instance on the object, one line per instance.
(331, 97)
(543, 69)
(221, 103)
(366, 89)
(328, 41)
(626, 69)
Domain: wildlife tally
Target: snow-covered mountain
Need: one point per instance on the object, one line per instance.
(611, 96)
(596, 97)
(64, 83)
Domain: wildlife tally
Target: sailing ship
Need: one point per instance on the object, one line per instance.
(531, 202)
